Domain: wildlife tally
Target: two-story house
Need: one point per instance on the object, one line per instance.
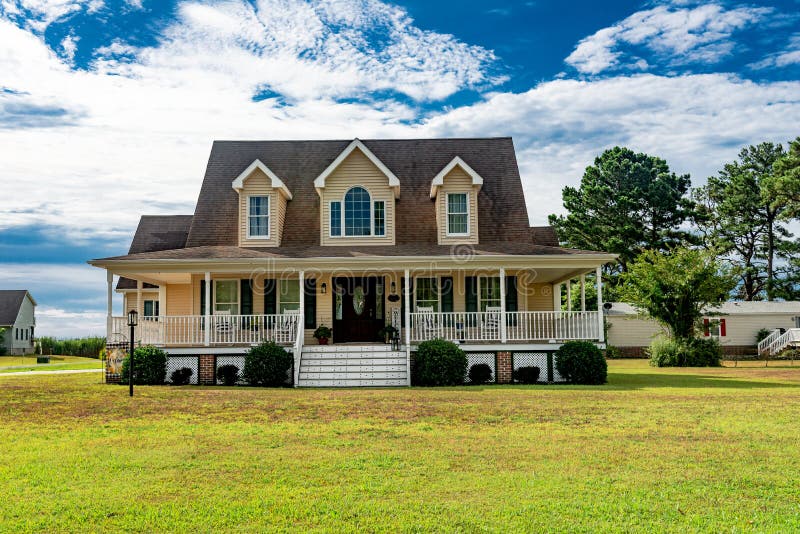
(17, 321)
(428, 235)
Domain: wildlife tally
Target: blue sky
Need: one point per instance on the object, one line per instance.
(108, 108)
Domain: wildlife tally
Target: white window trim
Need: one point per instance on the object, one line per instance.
(279, 294)
(269, 218)
(447, 214)
(479, 288)
(438, 279)
(238, 295)
(342, 216)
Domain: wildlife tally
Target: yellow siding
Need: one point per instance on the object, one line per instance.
(259, 184)
(457, 181)
(179, 299)
(357, 169)
(537, 297)
(130, 303)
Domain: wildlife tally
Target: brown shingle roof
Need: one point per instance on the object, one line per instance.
(157, 233)
(213, 233)
(10, 303)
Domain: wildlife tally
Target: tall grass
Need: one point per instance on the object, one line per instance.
(88, 347)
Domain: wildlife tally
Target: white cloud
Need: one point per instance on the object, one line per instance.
(696, 122)
(42, 13)
(69, 45)
(788, 56)
(680, 36)
(59, 323)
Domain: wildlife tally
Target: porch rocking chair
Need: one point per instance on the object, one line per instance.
(491, 323)
(286, 325)
(223, 326)
(428, 322)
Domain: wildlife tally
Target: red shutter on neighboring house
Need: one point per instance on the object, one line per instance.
(705, 327)
(722, 328)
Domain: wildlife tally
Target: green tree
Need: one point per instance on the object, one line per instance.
(741, 216)
(784, 189)
(626, 203)
(675, 288)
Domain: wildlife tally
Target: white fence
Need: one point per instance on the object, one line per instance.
(513, 326)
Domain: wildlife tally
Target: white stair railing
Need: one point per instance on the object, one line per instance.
(764, 344)
(789, 337)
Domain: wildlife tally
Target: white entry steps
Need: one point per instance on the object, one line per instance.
(352, 366)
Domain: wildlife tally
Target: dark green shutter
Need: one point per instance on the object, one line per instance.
(471, 293)
(310, 303)
(447, 294)
(247, 298)
(511, 293)
(203, 297)
(270, 297)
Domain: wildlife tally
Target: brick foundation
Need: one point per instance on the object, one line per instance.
(504, 369)
(206, 371)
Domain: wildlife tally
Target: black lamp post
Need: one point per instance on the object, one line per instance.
(133, 317)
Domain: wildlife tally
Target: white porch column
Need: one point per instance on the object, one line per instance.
(109, 303)
(139, 306)
(503, 333)
(162, 300)
(302, 277)
(207, 311)
(407, 300)
(583, 292)
(602, 335)
(556, 297)
(569, 295)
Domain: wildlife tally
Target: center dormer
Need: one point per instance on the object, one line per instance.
(357, 199)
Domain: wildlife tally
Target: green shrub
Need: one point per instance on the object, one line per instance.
(788, 354)
(439, 363)
(581, 362)
(228, 374)
(762, 334)
(267, 365)
(669, 352)
(613, 353)
(150, 366)
(88, 347)
(181, 377)
(480, 373)
(527, 375)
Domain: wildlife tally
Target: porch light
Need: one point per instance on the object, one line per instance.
(133, 317)
(324, 288)
(393, 287)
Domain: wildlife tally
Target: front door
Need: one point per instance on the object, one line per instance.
(354, 310)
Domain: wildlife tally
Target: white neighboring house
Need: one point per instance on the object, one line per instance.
(735, 324)
(18, 318)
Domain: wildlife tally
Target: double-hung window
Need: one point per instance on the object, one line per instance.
(457, 214)
(258, 217)
(357, 215)
(226, 296)
(289, 293)
(488, 292)
(427, 293)
(150, 308)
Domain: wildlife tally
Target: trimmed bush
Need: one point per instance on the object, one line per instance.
(228, 374)
(527, 375)
(181, 377)
(613, 353)
(150, 366)
(762, 334)
(439, 363)
(669, 352)
(581, 362)
(268, 365)
(480, 373)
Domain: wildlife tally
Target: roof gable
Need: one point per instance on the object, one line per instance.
(10, 303)
(394, 182)
(438, 180)
(277, 183)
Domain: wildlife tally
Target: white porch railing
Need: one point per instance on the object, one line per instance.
(190, 330)
(764, 344)
(519, 326)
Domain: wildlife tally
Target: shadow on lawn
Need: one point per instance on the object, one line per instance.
(622, 381)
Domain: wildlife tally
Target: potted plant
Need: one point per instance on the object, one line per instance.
(387, 332)
(323, 334)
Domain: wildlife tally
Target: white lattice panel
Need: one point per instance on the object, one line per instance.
(178, 362)
(481, 357)
(536, 359)
(238, 361)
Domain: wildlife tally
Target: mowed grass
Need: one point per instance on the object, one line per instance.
(714, 450)
(16, 364)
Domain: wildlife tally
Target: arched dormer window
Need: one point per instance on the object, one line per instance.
(361, 217)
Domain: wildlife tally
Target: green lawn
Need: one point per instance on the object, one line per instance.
(16, 364)
(712, 450)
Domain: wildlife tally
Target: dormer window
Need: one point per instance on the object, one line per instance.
(258, 217)
(361, 218)
(457, 214)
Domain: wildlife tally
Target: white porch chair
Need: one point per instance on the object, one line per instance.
(428, 322)
(491, 323)
(223, 325)
(286, 326)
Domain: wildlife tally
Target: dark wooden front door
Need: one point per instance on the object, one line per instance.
(354, 310)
